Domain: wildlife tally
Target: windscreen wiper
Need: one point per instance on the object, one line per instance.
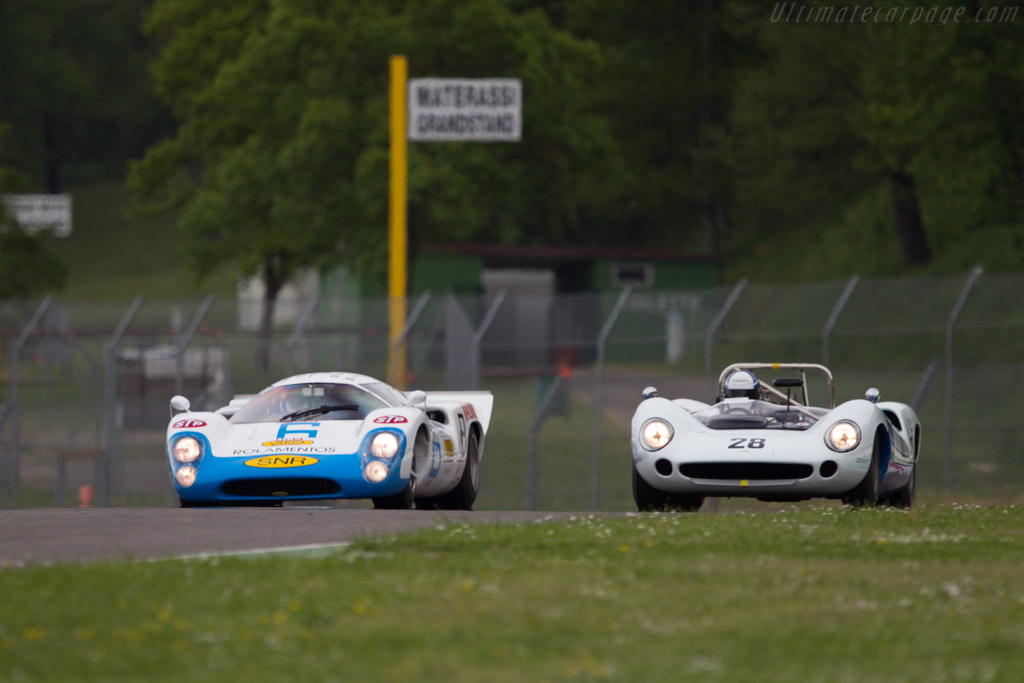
(318, 410)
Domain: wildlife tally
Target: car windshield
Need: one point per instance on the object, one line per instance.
(753, 414)
(297, 402)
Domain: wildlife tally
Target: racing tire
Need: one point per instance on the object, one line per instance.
(904, 498)
(463, 495)
(403, 500)
(866, 492)
(400, 501)
(650, 499)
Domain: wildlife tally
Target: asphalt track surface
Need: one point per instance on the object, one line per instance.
(45, 536)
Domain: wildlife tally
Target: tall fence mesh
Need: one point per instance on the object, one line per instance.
(85, 401)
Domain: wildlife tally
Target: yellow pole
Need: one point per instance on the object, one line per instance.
(397, 230)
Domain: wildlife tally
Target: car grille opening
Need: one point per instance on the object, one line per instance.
(745, 470)
(281, 487)
(663, 467)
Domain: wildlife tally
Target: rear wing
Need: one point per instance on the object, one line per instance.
(830, 399)
(481, 403)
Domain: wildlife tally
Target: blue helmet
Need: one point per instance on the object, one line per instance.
(742, 383)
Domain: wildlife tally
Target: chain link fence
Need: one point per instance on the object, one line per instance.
(84, 407)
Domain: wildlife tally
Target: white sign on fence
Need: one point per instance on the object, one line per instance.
(36, 212)
(474, 109)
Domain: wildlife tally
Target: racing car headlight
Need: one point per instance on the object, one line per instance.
(384, 445)
(185, 476)
(843, 436)
(375, 471)
(187, 449)
(655, 434)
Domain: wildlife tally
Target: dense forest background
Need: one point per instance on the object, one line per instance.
(797, 142)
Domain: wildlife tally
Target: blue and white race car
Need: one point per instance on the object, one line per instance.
(331, 435)
(769, 442)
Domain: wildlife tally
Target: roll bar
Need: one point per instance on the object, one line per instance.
(802, 367)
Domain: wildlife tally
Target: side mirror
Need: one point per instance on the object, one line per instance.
(650, 392)
(415, 397)
(179, 404)
(872, 395)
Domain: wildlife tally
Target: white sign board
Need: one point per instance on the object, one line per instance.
(474, 109)
(36, 212)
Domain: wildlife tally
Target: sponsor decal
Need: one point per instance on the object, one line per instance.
(449, 448)
(289, 442)
(277, 461)
(188, 424)
(285, 450)
(469, 412)
(291, 429)
(389, 420)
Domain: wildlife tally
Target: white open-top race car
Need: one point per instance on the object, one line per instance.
(771, 443)
(331, 435)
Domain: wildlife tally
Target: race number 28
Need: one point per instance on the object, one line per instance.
(741, 442)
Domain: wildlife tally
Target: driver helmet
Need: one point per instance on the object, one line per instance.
(290, 399)
(741, 384)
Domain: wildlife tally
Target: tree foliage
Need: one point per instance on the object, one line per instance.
(28, 265)
(794, 148)
(888, 141)
(74, 87)
(281, 155)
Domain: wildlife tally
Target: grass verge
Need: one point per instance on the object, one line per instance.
(801, 594)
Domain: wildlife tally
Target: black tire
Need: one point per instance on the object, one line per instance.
(904, 497)
(650, 499)
(400, 501)
(464, 494)
(403, 500)
(866, 492)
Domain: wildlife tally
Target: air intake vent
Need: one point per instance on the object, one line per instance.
(285, 486)
(752, 471)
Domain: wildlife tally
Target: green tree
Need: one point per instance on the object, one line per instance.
(28, 265)
(891, 136)
(75, 89)
(665, 87)
(280, 158)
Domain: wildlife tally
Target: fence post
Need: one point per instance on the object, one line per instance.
(535, 425)
(410, 320)
(300, 327)
(730, 301)
(602, 337)
(103, 463)
(184, 338)
(826, 333)
(13, 408)
(478, 336)
(924, 385)
(950, 324)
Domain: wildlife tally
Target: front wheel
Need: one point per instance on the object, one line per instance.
(904, 498)
(650, 499)
(463, 495)
(402, 500)
(866, 492)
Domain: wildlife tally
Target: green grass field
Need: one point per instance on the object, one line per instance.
(112, 256)
(803, 593)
